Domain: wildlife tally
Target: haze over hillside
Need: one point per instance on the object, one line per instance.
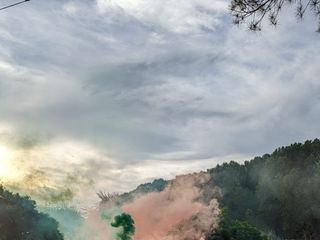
(270, 197)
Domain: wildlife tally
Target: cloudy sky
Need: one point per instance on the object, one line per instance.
(108, 94)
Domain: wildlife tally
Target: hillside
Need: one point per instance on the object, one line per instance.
(276, 193)
(275, 196)
(279, 193)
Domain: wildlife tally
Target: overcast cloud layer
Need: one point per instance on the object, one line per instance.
(121, 91)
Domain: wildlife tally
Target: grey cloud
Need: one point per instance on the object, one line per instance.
(142, 90)
(151, 71)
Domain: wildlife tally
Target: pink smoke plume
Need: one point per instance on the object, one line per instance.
(95, 228)
(175, 213)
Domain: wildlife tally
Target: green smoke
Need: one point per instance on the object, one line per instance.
(123, 222)
(109, 214)
(126, 223)
(69, 219)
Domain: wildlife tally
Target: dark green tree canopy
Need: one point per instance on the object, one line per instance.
(230, 229)
(125, 222)
(277, 193)
(19, 219)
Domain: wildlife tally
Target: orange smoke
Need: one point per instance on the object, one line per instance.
(175, 213)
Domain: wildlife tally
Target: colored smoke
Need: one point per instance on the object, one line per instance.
(98, 224)
(177, 213)
(181, 211)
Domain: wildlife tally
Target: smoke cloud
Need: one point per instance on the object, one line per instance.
(177, 213)
(97, 224)
(180, 212)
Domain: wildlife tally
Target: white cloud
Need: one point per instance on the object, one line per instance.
(70, 8)
(179, 16)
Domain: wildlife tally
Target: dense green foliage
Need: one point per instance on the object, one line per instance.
(19, 219)
(125, 222)
(277, 193)
(156, 185)
(230, 229)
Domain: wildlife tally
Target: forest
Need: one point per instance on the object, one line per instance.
(277, 193)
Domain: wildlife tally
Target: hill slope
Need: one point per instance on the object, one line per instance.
(277, 193)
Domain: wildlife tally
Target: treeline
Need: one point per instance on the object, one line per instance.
(20, 220)
(279, 194)
(156, 185)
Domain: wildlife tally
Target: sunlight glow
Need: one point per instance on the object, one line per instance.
(5, 166)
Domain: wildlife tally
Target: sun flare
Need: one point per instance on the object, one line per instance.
(5, 162)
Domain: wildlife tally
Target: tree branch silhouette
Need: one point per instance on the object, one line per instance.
(253, 12)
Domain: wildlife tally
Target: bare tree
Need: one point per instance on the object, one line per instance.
(106, 196)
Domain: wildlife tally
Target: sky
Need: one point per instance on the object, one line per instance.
(108, 94)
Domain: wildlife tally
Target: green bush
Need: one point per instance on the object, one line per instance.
(230, 229)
